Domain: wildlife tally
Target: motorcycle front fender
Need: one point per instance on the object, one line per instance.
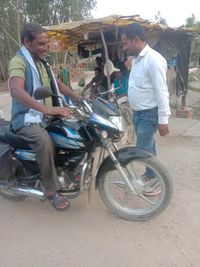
(124, 156)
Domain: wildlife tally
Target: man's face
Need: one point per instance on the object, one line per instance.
(119, 74)
(97, 73)
(39, 46)
(129, 45)
(98, 62)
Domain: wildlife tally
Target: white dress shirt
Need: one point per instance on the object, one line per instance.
(147, 84)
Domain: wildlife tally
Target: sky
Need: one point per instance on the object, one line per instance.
(174, 11)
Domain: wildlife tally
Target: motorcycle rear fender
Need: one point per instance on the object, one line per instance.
(124, 156)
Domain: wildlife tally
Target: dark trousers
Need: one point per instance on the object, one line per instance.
(41, 143)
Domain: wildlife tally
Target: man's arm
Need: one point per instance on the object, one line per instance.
(157, 70)
(17, 91)
(65, 90)
(88, 85)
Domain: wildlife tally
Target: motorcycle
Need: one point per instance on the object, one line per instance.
(86, 152)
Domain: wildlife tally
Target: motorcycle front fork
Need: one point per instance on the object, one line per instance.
(124, 174)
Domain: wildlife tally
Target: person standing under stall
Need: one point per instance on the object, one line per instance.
(97, 84)
(120, 84)
(64, 77)
(147, 93)
(99, 63)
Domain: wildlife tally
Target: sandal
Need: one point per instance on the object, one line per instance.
(151, 187)
(58, 201)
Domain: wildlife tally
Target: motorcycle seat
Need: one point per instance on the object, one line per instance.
(7, 136)
(2, 137)
(4, 127)
(15, 140)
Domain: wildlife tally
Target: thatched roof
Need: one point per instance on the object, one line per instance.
(73, 32)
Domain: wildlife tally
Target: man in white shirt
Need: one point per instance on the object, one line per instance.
(147, 91)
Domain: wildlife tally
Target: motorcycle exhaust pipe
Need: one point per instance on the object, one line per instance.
(29, 192)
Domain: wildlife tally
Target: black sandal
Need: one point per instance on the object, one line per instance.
(57, 201)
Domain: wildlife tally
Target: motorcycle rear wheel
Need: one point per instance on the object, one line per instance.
(11, 196)
(7, 194)
(135, 207)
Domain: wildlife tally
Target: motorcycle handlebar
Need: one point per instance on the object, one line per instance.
(112, 90)
(81, 112)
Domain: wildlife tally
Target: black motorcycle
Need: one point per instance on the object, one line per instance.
(86, 150)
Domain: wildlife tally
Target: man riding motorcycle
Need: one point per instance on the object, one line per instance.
(28, 70)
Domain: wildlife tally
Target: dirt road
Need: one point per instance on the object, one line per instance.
(32, 233)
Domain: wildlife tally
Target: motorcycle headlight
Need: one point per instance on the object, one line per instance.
(119, 123)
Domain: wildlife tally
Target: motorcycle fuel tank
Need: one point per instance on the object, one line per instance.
(66, 134)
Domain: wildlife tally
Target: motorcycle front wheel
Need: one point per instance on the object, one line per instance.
(139, 205)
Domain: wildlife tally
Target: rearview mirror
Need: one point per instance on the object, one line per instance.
(42, 92)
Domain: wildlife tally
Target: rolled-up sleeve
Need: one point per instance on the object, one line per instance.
(16, 68)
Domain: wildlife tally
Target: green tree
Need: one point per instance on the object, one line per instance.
(14, 13)
(159, 19)
(49, 12)
(11, 15)
(191, 22)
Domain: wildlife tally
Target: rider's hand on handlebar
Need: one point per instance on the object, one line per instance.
(58, 111)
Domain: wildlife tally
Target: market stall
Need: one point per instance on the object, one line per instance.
(93, 36)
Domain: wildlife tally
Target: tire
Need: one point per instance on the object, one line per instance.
(19, 171)
(130, 134)
(135, 214)
(12, 196)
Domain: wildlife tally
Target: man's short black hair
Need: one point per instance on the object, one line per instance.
(30, 30)
(134, 30)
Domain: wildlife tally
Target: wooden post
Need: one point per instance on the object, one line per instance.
(65, 58)
(18, 23)
(183, 102)
(184, 112)
(106, 56)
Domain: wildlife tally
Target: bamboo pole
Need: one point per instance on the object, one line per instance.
(9, 35)
(106, 55)
(18, 22)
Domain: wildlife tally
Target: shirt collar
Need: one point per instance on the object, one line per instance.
(144, 51)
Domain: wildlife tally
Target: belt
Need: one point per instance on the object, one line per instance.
(145, 110)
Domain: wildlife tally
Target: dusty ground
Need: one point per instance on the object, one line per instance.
(34, 234)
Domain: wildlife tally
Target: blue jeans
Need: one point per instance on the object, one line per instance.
(146, 125)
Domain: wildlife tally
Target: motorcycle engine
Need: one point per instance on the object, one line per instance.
(69, 179)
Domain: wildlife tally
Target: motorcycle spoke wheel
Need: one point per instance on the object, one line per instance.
(137, 205)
